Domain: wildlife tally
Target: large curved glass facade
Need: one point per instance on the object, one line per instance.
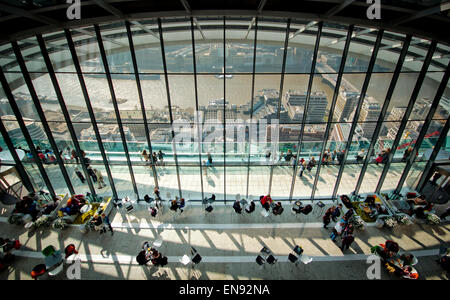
(232, 88)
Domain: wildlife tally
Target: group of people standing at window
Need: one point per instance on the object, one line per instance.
(156, 158)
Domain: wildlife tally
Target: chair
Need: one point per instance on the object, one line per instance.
(271, 259)
(157, 243)
(38, 270)
(265, 213)
(56, 270)
(293, 259)
(185, 260)
(69, 250)
(49, 250)
(260, 260)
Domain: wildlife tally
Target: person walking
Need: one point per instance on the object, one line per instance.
(294, 161)
(80, 175)
(327, 217)
(100, 180)
(154, 158)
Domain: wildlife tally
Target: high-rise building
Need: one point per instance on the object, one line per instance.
(370, 112)
(295, 102)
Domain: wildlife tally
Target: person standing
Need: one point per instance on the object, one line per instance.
(145, 155)
(154, 158)
(100, 180)
(210, 160)
(92, 174)
(156, 191)
(340, 156)
(80, 175)
(106, 222)
(161, 157)
(347, 240)
(302, 167)
(327, 217)
(294, 161)
(337, 212)
(360, 156)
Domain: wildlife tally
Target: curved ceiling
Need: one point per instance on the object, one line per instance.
(422, 18)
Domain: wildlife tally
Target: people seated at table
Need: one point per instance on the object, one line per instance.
(379, 210)
(49, 207)
(27, 206)
(407, 258)
(407, 272)
(266, 201)
(370, 201)
(278, 209)
(250, 207)
(303, 209)
(237, 207)
(420, 200)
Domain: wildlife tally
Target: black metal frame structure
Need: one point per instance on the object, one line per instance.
(255, 24)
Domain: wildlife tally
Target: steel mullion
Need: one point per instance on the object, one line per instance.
(224, 116)
(425, 126)
(333, 104)
(280, 94)
(199, 132)
(18, 163)
(25, 132)
(408, 111)
(308, 96)
(166, 77)
(251, 108)
(116, 107)
(141, 98)
(362, 97)
(87, 100)
(61, 102)
(434, 154)
(384, 109)
(37, 104)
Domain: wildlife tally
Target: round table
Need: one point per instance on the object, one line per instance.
(85, 208)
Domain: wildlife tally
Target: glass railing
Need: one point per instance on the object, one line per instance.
(235, 153)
